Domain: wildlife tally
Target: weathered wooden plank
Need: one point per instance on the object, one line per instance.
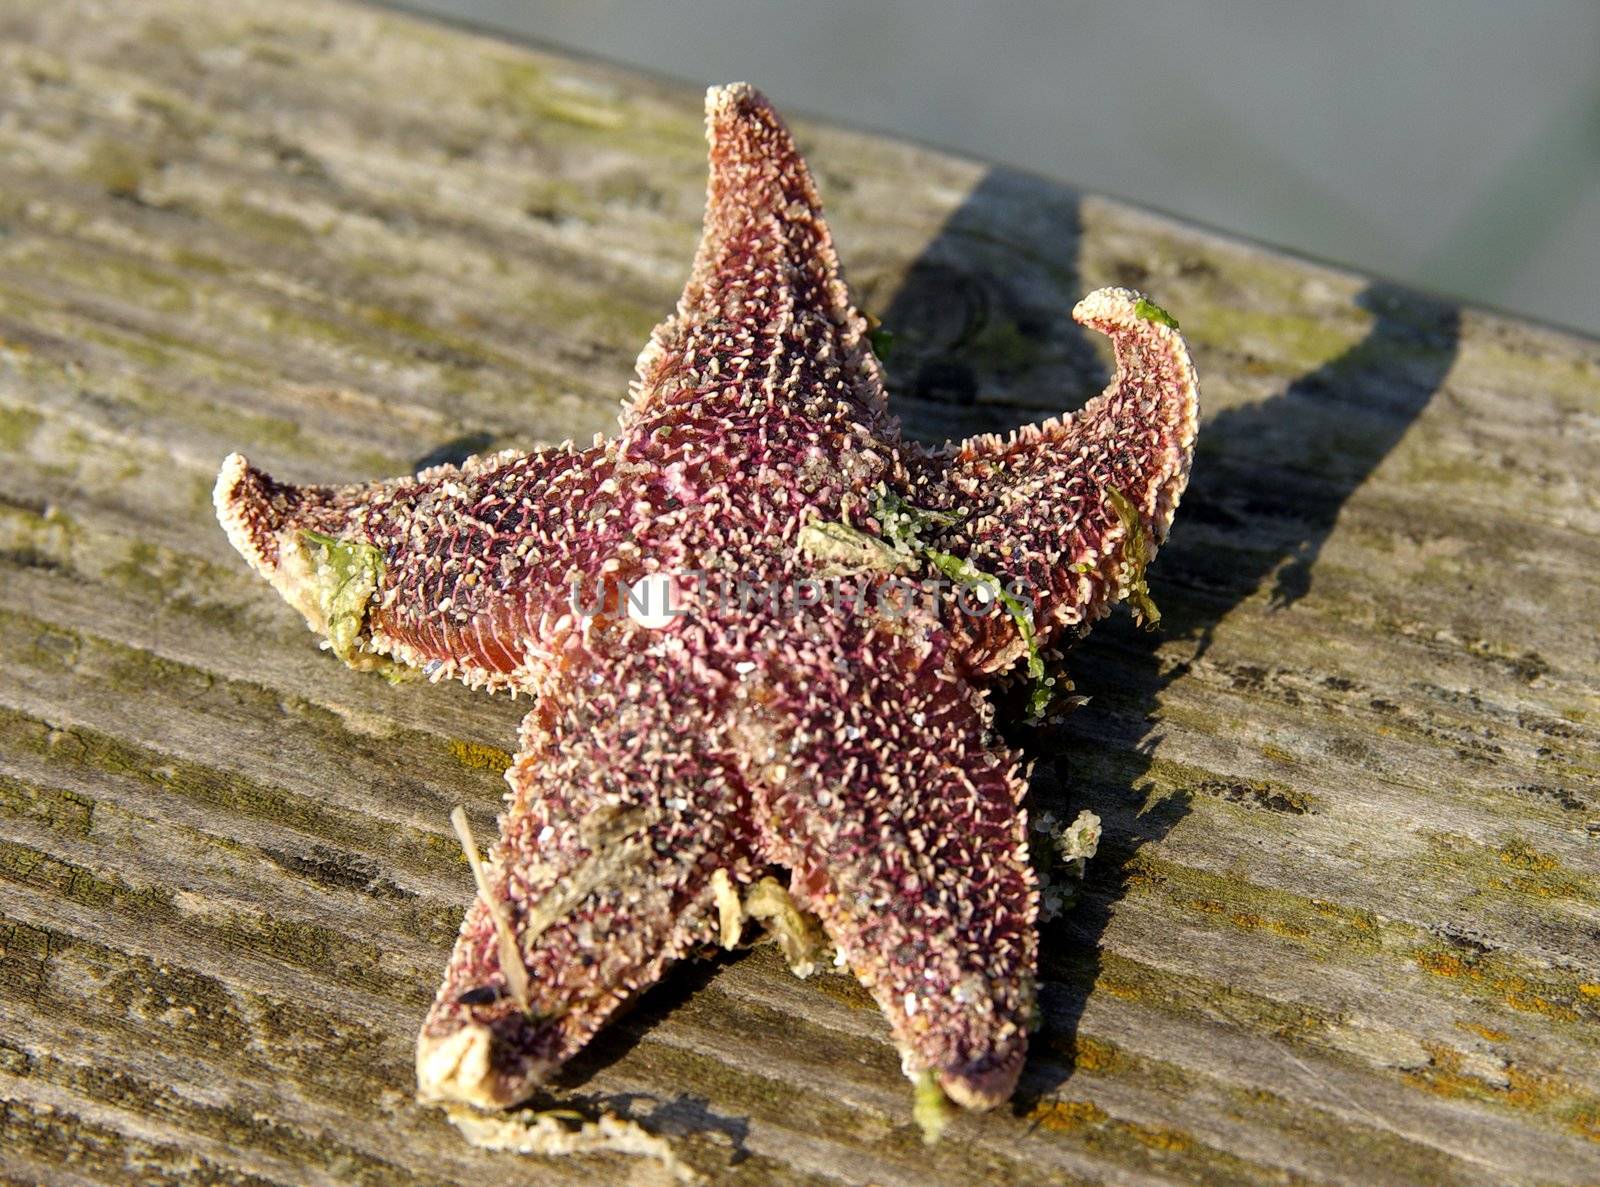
(1346, 925)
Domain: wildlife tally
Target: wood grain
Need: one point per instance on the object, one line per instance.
(1346, 924)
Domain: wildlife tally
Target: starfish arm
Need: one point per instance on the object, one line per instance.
(1072, 509)
(466, 569)
(265, 518)
(900, 822)
(765, 316)
(617, 822)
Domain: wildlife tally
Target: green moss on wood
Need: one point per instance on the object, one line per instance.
(90, 751)
(17, 427)
(59, 810)
(1167, 776)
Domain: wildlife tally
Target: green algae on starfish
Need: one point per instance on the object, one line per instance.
(967, 575)
(905, 524)
(1150, 311)
(903, 542)
(1136, 553)
(931, 1107)
(880, 337)
(345, 575)
(848, 548)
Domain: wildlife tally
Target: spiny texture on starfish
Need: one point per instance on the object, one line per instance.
(830, 736)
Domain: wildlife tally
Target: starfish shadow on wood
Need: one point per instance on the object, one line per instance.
(1254, 523)
(1278, 473)
(1266, 494)
(827, 725)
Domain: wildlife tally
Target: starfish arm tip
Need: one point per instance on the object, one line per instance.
(1113, 307)
(916, 859)
(240, 500)
(984, 1087)
(230, 475)
(457, 1067)
(729, 96)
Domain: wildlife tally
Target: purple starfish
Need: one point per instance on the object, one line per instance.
(668, 764)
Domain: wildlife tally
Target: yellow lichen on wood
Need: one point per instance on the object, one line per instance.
(479, 756)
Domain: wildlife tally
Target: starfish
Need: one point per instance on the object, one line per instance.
(671, 763)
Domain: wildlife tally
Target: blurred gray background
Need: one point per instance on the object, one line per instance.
(1449, 144)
